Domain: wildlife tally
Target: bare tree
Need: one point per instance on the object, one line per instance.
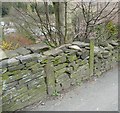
(54, 34)
(94, 14)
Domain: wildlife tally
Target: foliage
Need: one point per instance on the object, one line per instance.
(101, 34)
(111, 29)
(105, 32)
(20, 5)
(13, 41)
(9, 45)
(5, 8)
(55, 93)
(41, 8)
(27, 34)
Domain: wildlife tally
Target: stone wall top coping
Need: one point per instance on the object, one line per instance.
(40, 47)
(81, 44)
(35, 48)
(53, 52)
(28, 58)
(22, 51)
(34, 52)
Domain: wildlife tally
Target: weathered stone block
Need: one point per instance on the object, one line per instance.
(13, 62)
(85, 54)
(83, 70)
(104, 44)
(108, 66)
(79, 54)
(114, 43)
(58, 87)
(39, 90)
(69, 70)
(85, 78)
(73, 81)
(10, 79)
(36, 82)
(40, 47)
(23, 98)
(9, 62)
(53, 52)
(44, 59)
(37, 97)
(105, 52)
(87, 48)
(109, 47)
(11, 53)
(6, 98)
(21, 89)
(76, 80)
(64, 46)
(81, 44)
(74, 75)
(62, 78)
(71, 58)
(17, 77)
(14, 68)
(9, 91)
(74, 65)
(2, 55)
(35, 68)
(69, 51)
(22, 51)
(10, 86)
(60, 66)
(30, 64)
(3, 64)
(83, 62)
(37, 74)
(96, 50)
(99, 55)
(59, 59)
(97, 73)
(66, 84)
(28, 58)
(24, 80)
(18, 98)
(78, 61)
(75, 47)
(59, 72)
(2, 71)
(5, 76)
(6, 106)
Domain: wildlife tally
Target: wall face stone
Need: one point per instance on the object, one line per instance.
(31, 73)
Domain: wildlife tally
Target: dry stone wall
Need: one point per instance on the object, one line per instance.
(31, 73)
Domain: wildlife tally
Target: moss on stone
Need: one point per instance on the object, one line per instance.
(72, 58)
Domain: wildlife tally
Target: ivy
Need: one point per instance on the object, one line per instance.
(112, 29)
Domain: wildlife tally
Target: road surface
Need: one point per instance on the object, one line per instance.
(100, 94)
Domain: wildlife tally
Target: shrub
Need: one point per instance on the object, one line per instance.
(111, 29)
(8, 45)
(13, 41)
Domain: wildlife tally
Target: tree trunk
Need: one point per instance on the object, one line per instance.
(59, 8)
(65, 22)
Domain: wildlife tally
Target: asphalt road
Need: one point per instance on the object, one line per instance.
(100, 94)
